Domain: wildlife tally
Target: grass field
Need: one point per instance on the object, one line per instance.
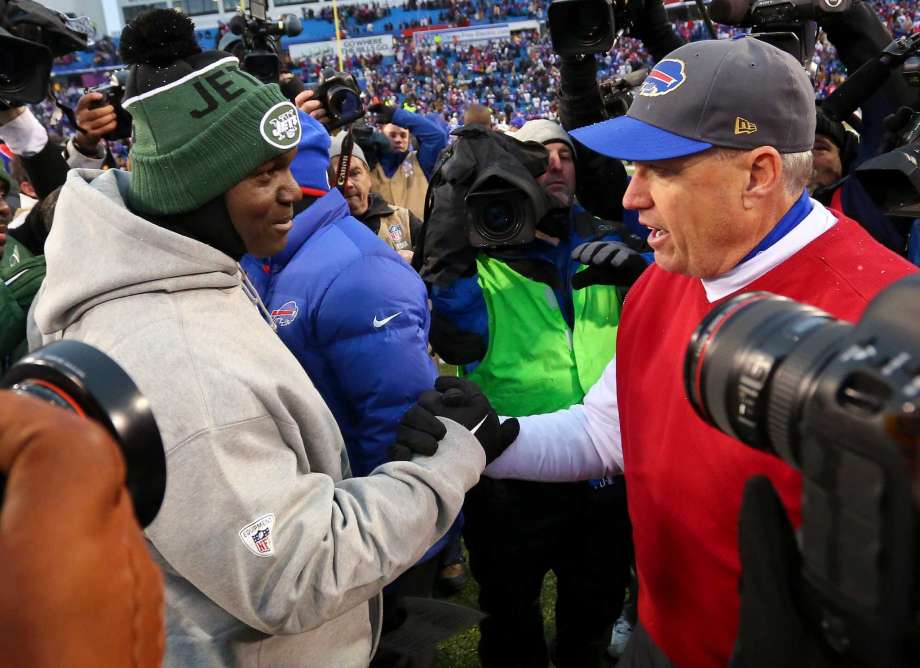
(460, 651)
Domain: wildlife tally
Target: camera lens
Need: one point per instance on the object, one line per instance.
(749, 363)
(79, 378)
(344, 103)
(498, 222)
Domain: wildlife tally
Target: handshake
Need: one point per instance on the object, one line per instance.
(463, 402)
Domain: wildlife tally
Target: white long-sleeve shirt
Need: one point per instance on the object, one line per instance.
(583, 441)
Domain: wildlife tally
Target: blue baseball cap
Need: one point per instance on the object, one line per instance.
(734, 93)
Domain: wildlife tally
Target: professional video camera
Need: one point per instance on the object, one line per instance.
(260, 51)
(31, 37)
(790, 25)
(840, 403)
(483, 193)
(893, 178)
(113, 92)
(340, 96)
(85, 381)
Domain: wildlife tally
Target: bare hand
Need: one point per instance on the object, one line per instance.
(305, 102)
(96, 122)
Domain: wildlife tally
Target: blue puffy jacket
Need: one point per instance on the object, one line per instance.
(355, 315)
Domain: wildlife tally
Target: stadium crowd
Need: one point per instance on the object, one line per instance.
(284, 294)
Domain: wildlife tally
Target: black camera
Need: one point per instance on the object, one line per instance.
(113, 93)
(340, 96)
(617, 92)
(503, 207)
(31, 36)
(840, 403)
(789, 25)
(893, 178)
(582, 26)
(81, 379)
(257, 46)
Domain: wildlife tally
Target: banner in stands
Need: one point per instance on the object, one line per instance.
(471, 35)
(355, 46)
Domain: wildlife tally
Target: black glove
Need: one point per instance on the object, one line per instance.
(609, 263)
(452, 344)
(418, 433)
(650, 24)
(772, 631)
(462, 401)
(384, 111)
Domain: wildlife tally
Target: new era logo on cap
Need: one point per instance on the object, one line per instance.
(666, 77)
(744, 126)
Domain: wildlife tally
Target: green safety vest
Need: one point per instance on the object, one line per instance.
(535, 363)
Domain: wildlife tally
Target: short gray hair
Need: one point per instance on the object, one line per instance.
(797, 167)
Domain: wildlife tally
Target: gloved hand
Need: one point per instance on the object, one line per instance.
(86, 590)
(462, 401)
(609, 263)
(452, 344)
(384, 111)
(650, 24)
(772, 631)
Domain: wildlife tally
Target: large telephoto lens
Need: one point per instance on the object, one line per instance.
(84, 380)
(749, 365)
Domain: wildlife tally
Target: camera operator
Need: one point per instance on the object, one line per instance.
(521, 329)
(395, 225)
(80, 587)
(271, 553)
(728, 212)
(401, 176)
(859, 35)
(601, 181)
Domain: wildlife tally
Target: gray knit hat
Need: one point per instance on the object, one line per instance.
(544, 131)
(336, 149)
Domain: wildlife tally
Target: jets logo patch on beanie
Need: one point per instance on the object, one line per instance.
(280, 126)
(201, 124)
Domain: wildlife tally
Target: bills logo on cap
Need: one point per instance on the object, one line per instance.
(666, 77)
(258, 536)
(285, 314)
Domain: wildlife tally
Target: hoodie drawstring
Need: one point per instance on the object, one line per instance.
(250, 291)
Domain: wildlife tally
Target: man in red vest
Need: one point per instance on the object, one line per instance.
(721, 135)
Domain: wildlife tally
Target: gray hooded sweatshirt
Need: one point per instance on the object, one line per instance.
(271, 555)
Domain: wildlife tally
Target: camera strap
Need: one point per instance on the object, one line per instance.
(341, 174)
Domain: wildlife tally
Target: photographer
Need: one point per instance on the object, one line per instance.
(521, 327)
(728, 213)
(271, 552)
(401, 176)
(102, 603)
(395, 225)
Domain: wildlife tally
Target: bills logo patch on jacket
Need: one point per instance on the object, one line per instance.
(258, 536)
(285, 314)
(665, 78)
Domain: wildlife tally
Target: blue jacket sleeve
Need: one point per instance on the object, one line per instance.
(432, 138)
(376, 346)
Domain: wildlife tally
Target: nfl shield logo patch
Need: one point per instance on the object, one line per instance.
(258, 537)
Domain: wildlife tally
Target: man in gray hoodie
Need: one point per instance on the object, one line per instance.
(271, 554)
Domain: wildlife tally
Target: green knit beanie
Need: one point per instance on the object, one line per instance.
(200, 123)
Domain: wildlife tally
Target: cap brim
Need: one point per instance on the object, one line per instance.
(627, 138)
